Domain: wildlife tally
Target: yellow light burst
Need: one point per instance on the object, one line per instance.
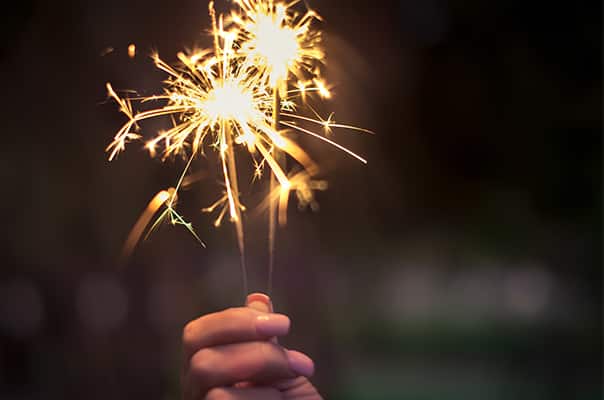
(277, 39)
(236, 96)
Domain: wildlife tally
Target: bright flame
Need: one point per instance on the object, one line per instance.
(277, 39)
(277, 45)
(230, 102)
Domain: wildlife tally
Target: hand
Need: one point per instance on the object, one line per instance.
(234, 355)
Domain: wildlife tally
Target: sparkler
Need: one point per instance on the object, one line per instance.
(237, 96)
(280, 42)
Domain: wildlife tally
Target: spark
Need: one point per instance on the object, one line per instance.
(163, 198)
(107, 50)
(236, 100)
(322, 88)
(277, 39)
(304, 186)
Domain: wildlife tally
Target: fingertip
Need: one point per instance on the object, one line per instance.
(259, 302)
(300, 363)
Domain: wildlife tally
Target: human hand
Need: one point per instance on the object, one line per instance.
(234, 355)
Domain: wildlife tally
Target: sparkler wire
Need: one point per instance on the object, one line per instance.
(272, 216)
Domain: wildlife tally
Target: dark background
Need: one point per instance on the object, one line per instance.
(464, 262)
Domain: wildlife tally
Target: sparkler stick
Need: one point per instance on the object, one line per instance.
(238, 95)
(272, 213)
(281, 43)
(238, 221)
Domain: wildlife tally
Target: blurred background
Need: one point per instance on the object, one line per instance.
(464, 262)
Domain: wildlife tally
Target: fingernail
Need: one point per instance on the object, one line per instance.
(259, 302)
(300, 363)
(272, 325)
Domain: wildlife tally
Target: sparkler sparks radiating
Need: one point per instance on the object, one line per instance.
(277, 39)
(280, 42)
(237, 96)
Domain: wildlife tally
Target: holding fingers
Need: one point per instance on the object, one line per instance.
(233, 354)
(233, 325)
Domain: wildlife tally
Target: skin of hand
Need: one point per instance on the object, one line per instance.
(234, 355)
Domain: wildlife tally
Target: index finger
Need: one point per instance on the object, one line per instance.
(233, 325)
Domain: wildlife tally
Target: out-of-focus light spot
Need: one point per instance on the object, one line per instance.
(475, 293)
(102, 303)
(528, 290)
(132, 50)
(21, 308)
(412, 292)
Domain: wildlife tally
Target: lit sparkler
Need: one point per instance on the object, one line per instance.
(235, 96)
(278, 40)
